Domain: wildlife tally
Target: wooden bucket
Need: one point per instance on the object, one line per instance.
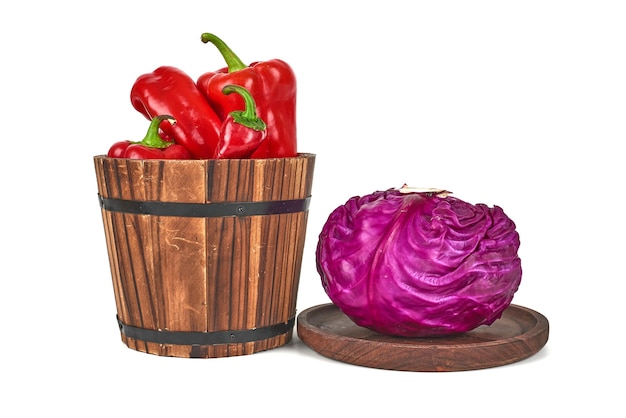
(205, 255)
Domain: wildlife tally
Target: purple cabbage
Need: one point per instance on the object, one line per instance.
(419, 264)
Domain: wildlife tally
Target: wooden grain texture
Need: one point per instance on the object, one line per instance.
(205, 274)
(518, 334)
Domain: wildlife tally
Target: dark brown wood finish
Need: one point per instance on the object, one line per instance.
(518, 334)
(205, 274)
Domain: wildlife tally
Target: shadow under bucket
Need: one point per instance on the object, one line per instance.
(205, 255)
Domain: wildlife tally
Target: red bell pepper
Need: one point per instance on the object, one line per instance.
(272, 84)
(151, 147)
(242, 130)
(169, 90)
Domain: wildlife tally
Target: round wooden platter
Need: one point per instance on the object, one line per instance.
(518, 334)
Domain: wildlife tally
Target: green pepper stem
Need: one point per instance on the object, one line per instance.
(152, 138)
(232, 61)
(247, 117)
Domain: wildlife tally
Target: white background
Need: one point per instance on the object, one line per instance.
(516, 103)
